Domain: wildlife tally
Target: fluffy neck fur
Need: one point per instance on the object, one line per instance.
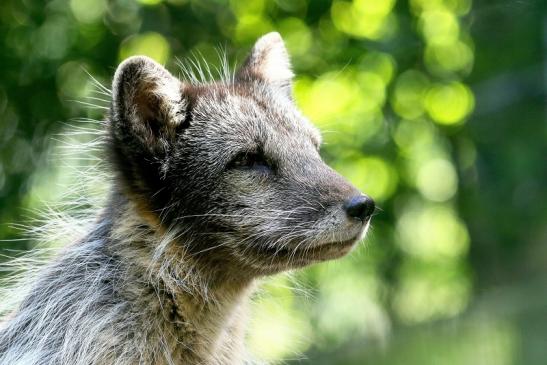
(129, 293)
(202, 301)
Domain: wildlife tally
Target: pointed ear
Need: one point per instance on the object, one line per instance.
(269, 62)
(147, 102)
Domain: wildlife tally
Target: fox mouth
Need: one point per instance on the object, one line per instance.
(303, 255)
(331, 250)
(336, 244)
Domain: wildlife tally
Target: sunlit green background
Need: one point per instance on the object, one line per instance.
(436, 108)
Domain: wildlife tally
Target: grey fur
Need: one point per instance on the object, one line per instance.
(216, 185)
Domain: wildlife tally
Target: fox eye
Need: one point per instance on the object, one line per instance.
(251, 161)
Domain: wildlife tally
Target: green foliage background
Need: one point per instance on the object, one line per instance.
(436, 108)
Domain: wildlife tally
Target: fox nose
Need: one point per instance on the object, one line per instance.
(360, 207)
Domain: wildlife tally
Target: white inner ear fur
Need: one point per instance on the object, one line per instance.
(271, 59)
(167, 88)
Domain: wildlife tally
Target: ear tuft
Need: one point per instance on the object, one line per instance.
(269, 61)
(147, 98)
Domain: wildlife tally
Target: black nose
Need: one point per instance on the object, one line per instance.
(360, 207)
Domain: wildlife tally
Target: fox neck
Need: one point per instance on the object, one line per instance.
(203, 303)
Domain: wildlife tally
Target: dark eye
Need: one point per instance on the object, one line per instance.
(251, 161)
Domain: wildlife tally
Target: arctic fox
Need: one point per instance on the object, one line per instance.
(216, 184)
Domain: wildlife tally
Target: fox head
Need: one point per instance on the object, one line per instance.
(233, 165)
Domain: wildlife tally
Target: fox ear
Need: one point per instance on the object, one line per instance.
(147, 101)
(269, 61)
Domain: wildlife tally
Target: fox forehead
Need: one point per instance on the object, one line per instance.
(257, 114)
